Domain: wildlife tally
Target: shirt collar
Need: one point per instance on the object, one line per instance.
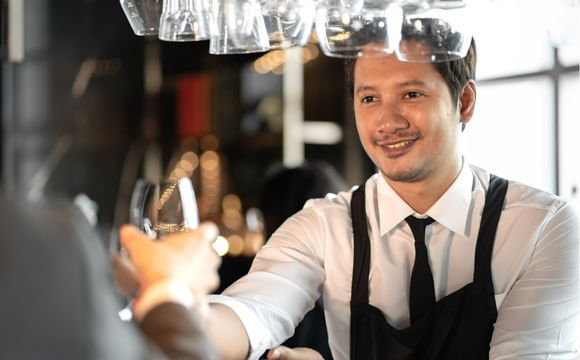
(451, 210)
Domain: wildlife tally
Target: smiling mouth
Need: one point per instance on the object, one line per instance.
(399, 145)
(397, 149)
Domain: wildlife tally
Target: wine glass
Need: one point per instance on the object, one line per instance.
(353, 28)
(434, 35)
(143, 15)
(238, 28)
(163, 208)
(288, 22)
(184, 20)
(159, 209)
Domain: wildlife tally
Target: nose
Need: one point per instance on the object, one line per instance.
(391, 119)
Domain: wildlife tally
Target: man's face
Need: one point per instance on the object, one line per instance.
(406, 119)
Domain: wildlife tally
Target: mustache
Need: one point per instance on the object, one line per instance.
(381, 138)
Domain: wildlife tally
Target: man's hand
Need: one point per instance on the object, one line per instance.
(285, 353)
(186, 257)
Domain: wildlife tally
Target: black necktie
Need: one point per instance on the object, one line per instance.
(422, 292)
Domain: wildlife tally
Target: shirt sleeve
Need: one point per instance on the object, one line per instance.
(283, 283)
(539, 318)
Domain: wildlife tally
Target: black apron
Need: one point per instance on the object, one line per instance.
(459, 326)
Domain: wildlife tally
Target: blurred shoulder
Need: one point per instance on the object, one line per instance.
(341, 200)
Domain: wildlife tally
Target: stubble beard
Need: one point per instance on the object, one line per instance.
(416, 173)
(418, 170)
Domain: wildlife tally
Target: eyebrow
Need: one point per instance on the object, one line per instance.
(364, 88)
(415, 82)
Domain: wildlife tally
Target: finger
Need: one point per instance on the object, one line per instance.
(305, 353)
(125, 276)
(132, 239)
(212, 263)
(218, 261)
(123, 263)
(115, 257)
(204, 235)
(213, 259)
(273, 354)
(209, 232)
(205, 287)
(279, 352)
(285, 353)
(207, 267)
(213, 282)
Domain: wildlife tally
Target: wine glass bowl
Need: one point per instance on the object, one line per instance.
(351, 31)
(288, 22)
(434, 35)
(159, 209)
(143, 15)
(237, 27)
(184, 20)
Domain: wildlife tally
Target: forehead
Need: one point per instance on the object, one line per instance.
(388, 69)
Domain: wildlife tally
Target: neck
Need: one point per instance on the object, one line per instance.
(422, 194)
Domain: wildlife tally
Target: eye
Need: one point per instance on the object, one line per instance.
(368, 99)
(412, 95)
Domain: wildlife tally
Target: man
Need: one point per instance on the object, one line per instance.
(58, 300)
(500, 271)
(505, 280)
(431, 258)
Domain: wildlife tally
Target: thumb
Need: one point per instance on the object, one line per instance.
(285, 353)
(209, 232)
(276, 353)
(132, 239)
(282, 353)
(205, 234)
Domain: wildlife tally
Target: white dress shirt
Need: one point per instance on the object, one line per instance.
(535, 267)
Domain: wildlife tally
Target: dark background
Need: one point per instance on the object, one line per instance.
(86, 140)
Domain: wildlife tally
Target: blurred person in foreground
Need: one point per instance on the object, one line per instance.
(430, 258)
(58, 300)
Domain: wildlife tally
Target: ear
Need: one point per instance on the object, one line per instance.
(466, 102)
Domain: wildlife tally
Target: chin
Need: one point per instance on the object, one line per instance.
(410, 175)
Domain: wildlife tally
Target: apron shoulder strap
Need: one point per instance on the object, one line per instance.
(362, 253)
(494, 202)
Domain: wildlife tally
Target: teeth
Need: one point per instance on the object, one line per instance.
(399, 145)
